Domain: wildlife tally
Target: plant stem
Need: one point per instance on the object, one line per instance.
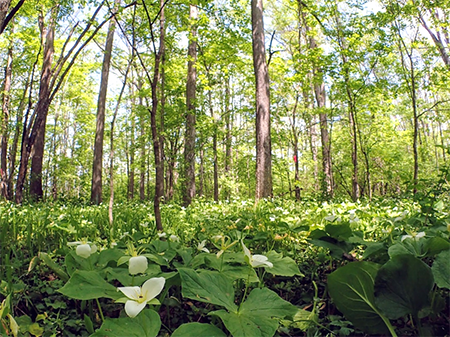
(100, 310)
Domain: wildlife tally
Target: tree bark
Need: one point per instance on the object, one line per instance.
(97, 165)
(263, 140)
(191, 87)
(5, 120)
(157, 148)
(41, 111)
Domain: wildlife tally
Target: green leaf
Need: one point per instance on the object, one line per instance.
(240, 272)
(146, 324)
(282, 266)
(374, 248)
(305, 319)
(435, 245)
(441, 269)
(198, 329)
(265, 302)
(88, 285)
(255, 317)
(108, 255)
(247, 325)
(340, 232)
(351, 288)
(402, 286)
(88, 324)
(208, 286)
(123, 276)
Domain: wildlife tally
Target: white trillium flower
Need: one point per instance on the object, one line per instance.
(174, 238)
(416, 237)
(161, 235)
(138, 297)
(256, 260)
(84, 249)
(137, 264)
(201, 247)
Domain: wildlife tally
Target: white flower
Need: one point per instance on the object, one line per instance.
(137, 264)
(174, 238)
(256, 260)
(84, 249)
(138, 297)
(416, 237)
(161, 235)
(201, 247)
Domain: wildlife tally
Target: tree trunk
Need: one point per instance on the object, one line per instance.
(97, 166)
(191, 87)
(263, 141)
(215, 166)
(41, 111)
(5, 120)
(4, 6)
(132, 147)
(157, 149)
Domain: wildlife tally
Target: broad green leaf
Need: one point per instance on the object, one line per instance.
(282, 266)
(240, 272)
(247, 325)
(146, 324)
(402, 286)
(108, 255)
(341, 231)
(436, 245)
(88, 285)
(374, 248)
(441, 269)
(208, 286)
(351, 288)
(265, 302)
(198, 329)
(123, 276)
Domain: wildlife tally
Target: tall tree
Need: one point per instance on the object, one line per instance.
(48, 35)
(263, 140)
(97, 165)
(191, 88)
(6, 96)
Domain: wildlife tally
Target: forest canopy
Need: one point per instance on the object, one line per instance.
(359, 98)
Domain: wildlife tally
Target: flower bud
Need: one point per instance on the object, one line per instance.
(137, 265)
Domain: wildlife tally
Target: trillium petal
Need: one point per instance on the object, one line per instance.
(419, 235)
(137, 265)
(84, 250)
(246, 251)
(131, 292)
(174, 238)
(133, 308)
(261, 260)
(74, 243)
(151, 288)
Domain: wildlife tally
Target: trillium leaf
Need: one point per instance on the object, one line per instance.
(282, 266)
(255, 317)
(441, 269)
(265, 302)
(198, 329)
(436, 245)
(351, 288)
(402, 286)
(88, 285)
(248, 324)
(146, 324)
(209, 287)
